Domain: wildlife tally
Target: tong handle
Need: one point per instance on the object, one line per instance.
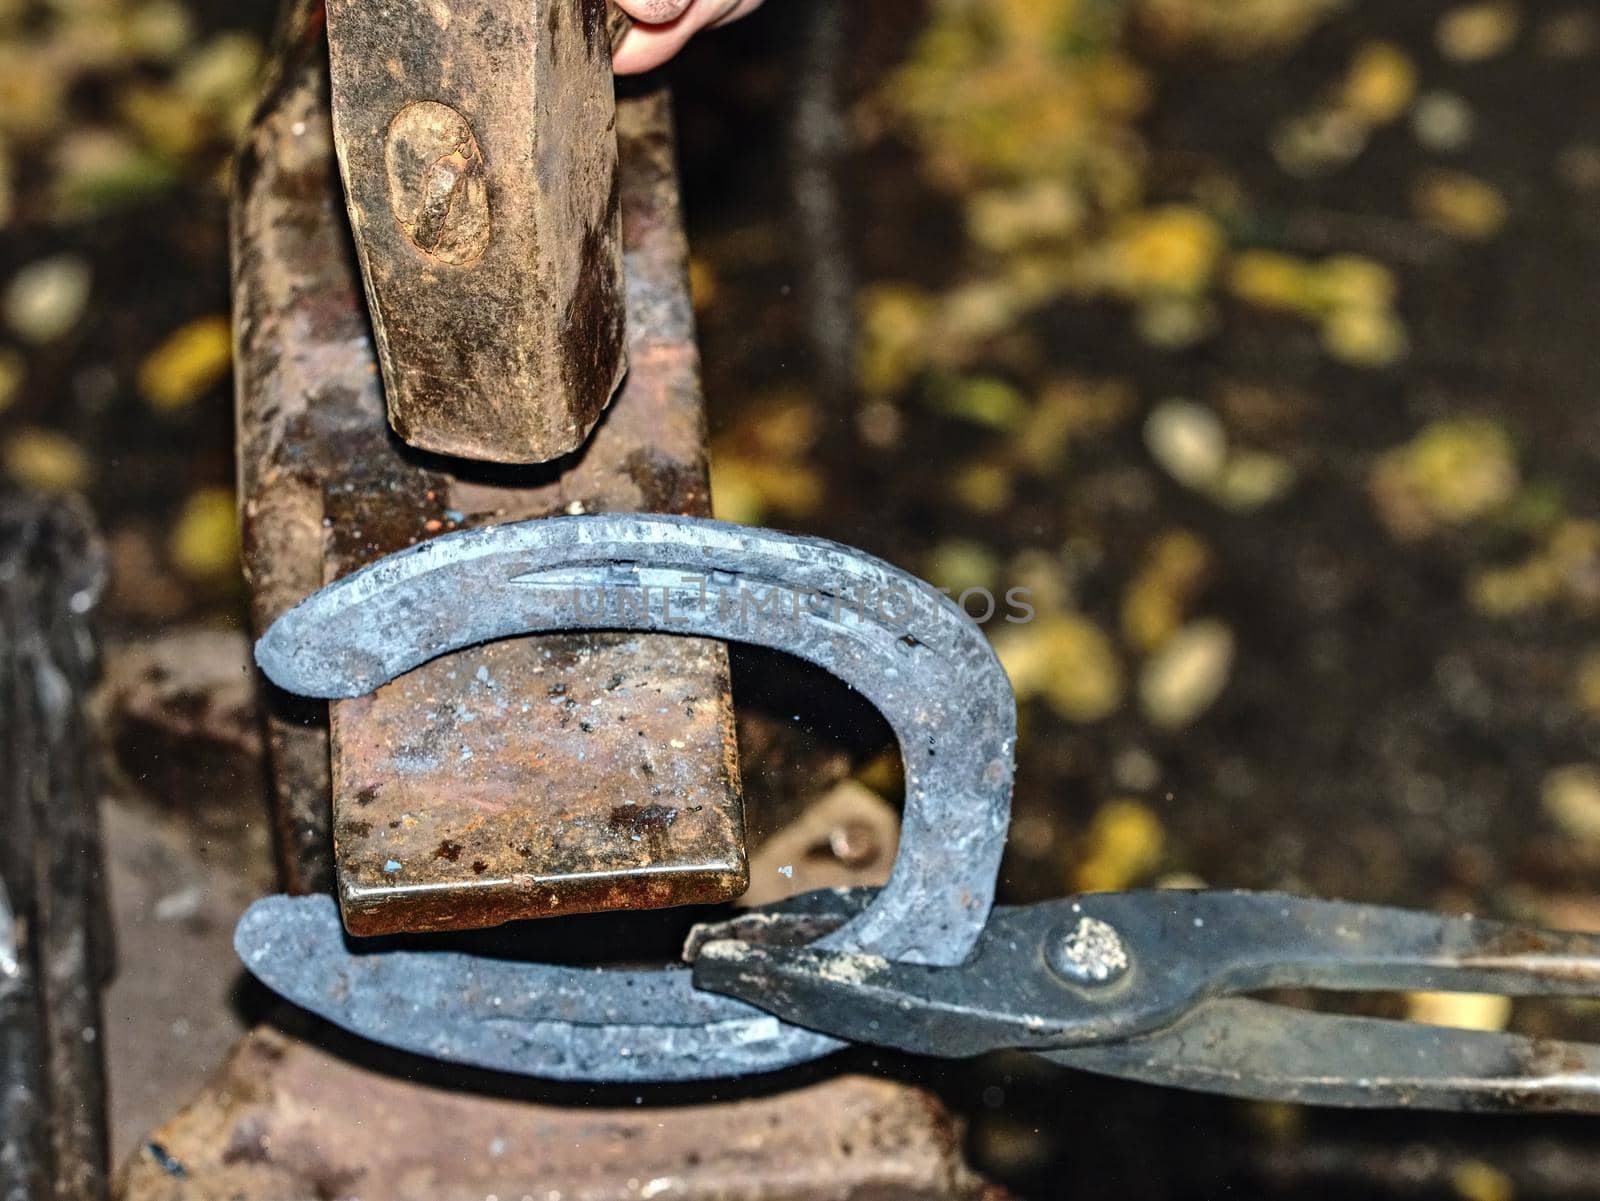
(1240, 1047)
(1230, 942)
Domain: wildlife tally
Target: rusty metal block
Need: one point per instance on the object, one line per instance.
(478, 146)
(453, 806)
(555, 775)
(285, 1120)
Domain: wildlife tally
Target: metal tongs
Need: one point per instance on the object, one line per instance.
(1151, 986)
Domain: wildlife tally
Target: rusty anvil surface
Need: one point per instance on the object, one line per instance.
(285, 1120)
(537, 776)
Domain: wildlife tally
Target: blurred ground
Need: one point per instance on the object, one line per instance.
(1253, 337)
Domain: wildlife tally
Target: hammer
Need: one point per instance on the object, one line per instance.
(477, 142)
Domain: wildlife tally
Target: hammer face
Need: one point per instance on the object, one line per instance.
(477, 140)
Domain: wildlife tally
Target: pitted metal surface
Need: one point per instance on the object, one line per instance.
(903, 645)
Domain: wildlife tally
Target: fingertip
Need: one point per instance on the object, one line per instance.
(645, 49)
(736, 10)
(666, 26)
(654, 12)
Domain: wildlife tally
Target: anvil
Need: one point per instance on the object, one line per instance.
(616, 786)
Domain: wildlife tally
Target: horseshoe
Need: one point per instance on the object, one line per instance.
(901, 643)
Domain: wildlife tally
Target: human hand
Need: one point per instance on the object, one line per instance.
(663, 27)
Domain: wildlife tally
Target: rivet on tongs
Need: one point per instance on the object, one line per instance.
(1091, 953)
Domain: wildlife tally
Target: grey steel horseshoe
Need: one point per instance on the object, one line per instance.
(907, 648)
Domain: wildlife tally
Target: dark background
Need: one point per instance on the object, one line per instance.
(1254, 337)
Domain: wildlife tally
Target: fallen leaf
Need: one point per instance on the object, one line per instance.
(47, 298)
(204, 544)
(1186, 676)
(46, 460)
(1123, 845)
(1460, 205)
(1475, 32)
(1065, 659)
(191, 362)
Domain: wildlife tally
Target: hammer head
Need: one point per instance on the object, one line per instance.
(477, 140)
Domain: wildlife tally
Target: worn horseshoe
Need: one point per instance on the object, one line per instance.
(905, 646)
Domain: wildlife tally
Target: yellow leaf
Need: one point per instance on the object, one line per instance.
(983, 487)
(1365, 337)
(204, 544)
(1460, 204)
(1475, 1180)
(1571, 798)
(1588, 684)
(46, 460)
(1172, 250)
(1270, 280)
(1380, 83)
(1174, 569)
(1186, 676)
(191, 362)
(958, 564)
(745, 490)
(1349, 281)
(1454, 471)
(45, 299)
(982, 400)
(703, 283)
(1475, 32)
(893, 339)
(1124, 844)
(1066, 660)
